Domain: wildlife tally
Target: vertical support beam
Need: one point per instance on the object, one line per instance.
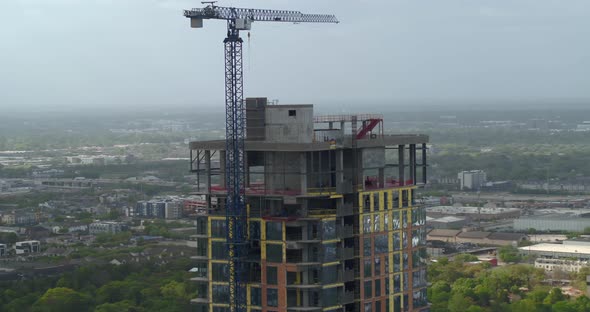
(339, 167)
(208, 170)
(303, 172)
(413, 163)
(401, 166)
(424, 165)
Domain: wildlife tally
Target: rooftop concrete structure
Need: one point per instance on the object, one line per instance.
(332, 215)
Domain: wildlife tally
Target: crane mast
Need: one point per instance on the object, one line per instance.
(236, 216)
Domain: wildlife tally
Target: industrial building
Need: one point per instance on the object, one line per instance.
(332, 220)
(554, 222)
(473, 213)
(569, 250)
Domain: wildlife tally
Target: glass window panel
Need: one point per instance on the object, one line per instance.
(220, 271)
(395, 221)
(272, 275)
(376, 203)
(274, 252)
(376, 223)
(220, 293)
(368, 268)
(381, 244)
(396, 241)
(274, 231)
(218, 228)
(255, 230)
(329, 274)
(377, 266)
(272, 297)
(329, 228)
(256, 296)
(367, 224)
(367, 247)
(368, 289)
(377, 288)
(330, 252)
(330, 297)
(219, 251)
(366, 203)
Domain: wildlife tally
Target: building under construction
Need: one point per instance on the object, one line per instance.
(333, 223)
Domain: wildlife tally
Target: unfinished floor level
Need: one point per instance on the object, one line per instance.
(333, 224)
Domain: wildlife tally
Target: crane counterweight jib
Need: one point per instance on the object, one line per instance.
(228, 13)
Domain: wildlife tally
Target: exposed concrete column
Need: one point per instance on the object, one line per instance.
(339, 167)
(401, 165)
(413, 163)
(303, 170)
(246, 170)
(331, 125)
(382, 177)
(208, 169)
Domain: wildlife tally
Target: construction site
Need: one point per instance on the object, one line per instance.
(304, 212)
(332, 219)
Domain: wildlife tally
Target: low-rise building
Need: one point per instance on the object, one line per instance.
(553, 222)
(557, 251)
(473, 213)
(27, 247)
(110, 227)
(565, 265)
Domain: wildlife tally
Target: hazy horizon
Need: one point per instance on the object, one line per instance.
(125, 55)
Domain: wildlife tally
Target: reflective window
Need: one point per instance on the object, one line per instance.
(329, 228)
(376, 223)
(381, 244)
(367, 224)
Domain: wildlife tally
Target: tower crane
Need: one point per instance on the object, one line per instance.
(238, 19)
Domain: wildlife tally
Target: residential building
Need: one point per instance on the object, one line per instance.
(162, 208)
(472, 180)
(110, 227)
(27, 247)
(332, 219)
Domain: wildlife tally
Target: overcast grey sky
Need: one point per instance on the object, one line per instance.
(115, 53)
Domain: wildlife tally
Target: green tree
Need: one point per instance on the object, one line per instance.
(62, 299)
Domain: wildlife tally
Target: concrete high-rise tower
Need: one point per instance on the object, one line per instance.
(333, 224)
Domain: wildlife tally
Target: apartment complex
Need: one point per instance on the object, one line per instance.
(472, 180)
(333, 223)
